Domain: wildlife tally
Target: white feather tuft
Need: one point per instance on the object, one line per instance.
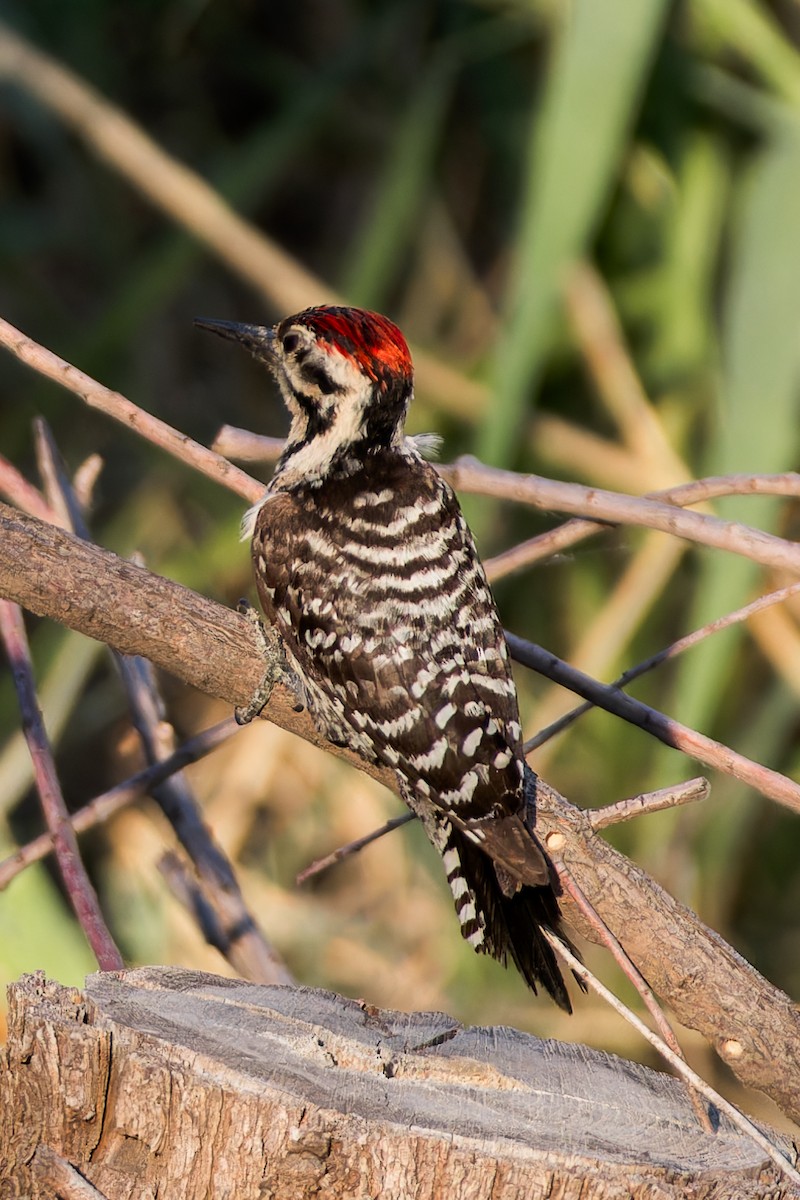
(427, 444)
(248, 523)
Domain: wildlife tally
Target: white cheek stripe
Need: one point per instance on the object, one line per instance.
(313, 459)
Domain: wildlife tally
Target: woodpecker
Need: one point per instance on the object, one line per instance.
(366, 567)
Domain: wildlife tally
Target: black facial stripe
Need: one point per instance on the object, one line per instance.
(319, 422)
(384, 415)
(314, 373)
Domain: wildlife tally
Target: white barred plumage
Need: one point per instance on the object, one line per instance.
(364, 563)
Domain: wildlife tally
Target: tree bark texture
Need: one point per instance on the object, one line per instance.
(753, 1026)
(184, 1086)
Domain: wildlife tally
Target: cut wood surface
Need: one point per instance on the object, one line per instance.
(178, 1084)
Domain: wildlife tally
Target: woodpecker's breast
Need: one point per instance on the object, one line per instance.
(375, 585)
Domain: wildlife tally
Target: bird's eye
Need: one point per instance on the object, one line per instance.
(290, 342)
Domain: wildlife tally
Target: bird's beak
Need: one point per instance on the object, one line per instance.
(258, 339)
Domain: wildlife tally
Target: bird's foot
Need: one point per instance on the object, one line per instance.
(276, 669)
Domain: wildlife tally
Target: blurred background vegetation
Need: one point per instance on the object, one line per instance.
(447, 162)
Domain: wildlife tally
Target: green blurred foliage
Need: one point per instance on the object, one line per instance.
(444, 161)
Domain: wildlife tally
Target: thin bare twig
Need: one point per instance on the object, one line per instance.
(600, 818)
(243, 445)
(79, 888)
(107, 804)
(329, 860)
(649, 802)
(716, 626)
(236, 932)
(95, 395)
(713, 754)
(630, 970)
(678, 1064)
(613, 508)
(669, 652)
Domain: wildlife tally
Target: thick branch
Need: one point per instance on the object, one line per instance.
(708, 986)
(86, 588)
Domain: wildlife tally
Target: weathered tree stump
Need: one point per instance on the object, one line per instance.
(175, 1084)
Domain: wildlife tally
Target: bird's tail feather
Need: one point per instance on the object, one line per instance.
(507, 926)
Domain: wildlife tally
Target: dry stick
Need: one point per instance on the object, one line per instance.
(563, 537)
(612, 814)
(196, 207)
(329, 860)
(240, 939)
(112, 404)
(614, 508)
(81, 893)
(237, 934)
(56, 1177)
(669, 652)
(107, 804)
(715, 626)
(696, 745)
(629, 968)
(16, 488)
(245, 446)
(678, 1064)
(649, 802)
(469, 475)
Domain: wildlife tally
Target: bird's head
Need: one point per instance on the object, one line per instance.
(346, 377)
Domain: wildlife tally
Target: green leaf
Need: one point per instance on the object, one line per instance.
(600, 63)
(760, 380)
